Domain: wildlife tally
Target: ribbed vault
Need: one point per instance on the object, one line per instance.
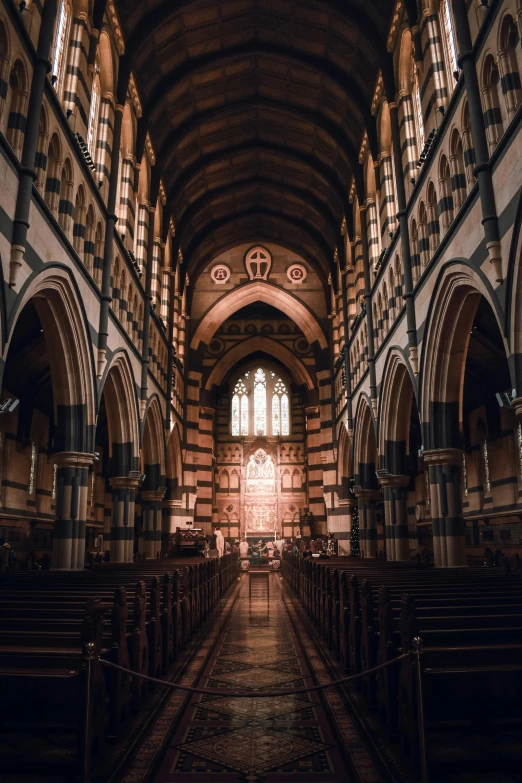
(257, 111)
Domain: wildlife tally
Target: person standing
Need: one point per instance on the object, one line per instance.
(220, 543)
(243, 548)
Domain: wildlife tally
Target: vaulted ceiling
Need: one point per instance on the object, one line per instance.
(256, 109)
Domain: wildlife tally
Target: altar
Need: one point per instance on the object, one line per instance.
(260, 503)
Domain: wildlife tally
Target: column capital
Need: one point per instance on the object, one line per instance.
(72, 459)
(394, 480)
(172, 504)
(125, 482)
(153, 494)
(367, 494)
(312, 410)
(442, 457)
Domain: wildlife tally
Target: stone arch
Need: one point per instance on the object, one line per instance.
(71, 359)
(17, 97)
(153, 443)
(244, 349)
(454, 304)
(395, 404)
(365, 446)
(258, 292)
(119, 390)
(174, 464)
(344, 463)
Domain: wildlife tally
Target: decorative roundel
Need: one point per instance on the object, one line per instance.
(220, 274)
(267, 329)
(296, 273)
(251, 329)
(216, 346)
(302, 346)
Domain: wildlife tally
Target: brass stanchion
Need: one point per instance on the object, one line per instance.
(89, 654)
(417, 644)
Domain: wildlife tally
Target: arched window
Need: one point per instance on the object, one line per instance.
(17, 104)
(54, 169)
(433, 218)
(509, 70)
(66, 206)
(450, 47)
(446, 206)
(60, 45)
(280, 410)
(269, 412)
(260, 402)
(458, 171)
(417, 106)
(94, 112)
(240, 409)
(491, 97)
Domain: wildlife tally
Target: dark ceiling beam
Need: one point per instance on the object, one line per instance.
(304, 196)
(161, 14)
(340, 139)
(316, 164)
(197, 239)
(321, 64)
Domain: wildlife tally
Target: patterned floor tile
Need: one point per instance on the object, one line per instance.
(253, 749)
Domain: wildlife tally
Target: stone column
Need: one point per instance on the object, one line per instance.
(72, 490)
(466, 61)
(27, 172)
(449, 546)
(402, 217)
(121, 537)
(396, 516)
(368, 499)
(340, 524)
(151, 514)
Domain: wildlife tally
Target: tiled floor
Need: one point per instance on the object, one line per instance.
(272, 739)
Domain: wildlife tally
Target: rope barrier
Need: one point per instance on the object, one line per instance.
(253, 694)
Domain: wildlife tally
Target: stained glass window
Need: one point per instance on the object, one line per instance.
(263, 416)
(450, 46)
(285, 415)
(93, 117)
(260, 402)
(417, 105)
(59, 44)
(240, 409)
(280, 410)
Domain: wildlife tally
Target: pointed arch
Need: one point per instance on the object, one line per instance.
(258, 292)
(456, 297)
(395, 405)
(65, 324)
(259, 343)
(121, 401)
(153, 445)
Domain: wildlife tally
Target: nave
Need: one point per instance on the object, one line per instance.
(263, 646)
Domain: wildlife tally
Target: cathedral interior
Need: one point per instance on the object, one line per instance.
(260, 391)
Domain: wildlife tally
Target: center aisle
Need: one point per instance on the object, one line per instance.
(291, 738)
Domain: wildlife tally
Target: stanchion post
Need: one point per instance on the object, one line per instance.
(417, 644)
(89, 654)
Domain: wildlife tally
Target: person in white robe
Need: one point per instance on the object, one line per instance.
(243, 549)
(220, 542)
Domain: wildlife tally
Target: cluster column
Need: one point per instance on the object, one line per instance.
(72, 490)
(121, 537)
(152, 516)
(368, 499)
(449, 547)
(396, 516)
